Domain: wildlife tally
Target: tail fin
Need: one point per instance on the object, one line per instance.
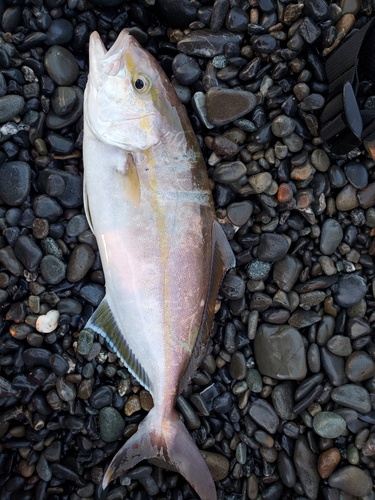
(169, 440)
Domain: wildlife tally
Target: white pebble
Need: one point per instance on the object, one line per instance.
(48, 322)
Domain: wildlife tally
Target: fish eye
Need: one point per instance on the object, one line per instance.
(141, 83)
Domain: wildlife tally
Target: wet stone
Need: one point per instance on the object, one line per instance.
(260, 182)
(10, 106)
(59, 32)
(102, 396)
(85, 342)
(286, 272)
(217, 464)
(28, 252)
(61, 65)
(264, 44)
(301, 318)
(356, 174)
(283, 400)
(53, 270)
(366, 196)
(81, 259)
(356, 328)
(283, 126)
(264, 415)
(226, 105)
(279, 352)
(258, 270)
(329, 425)
(236, 20)
(328, 461)
(227, 173)
(46, 208)
(352, 396)
(233, 287)
(305, 462)
(331, 236)
(352, 480)
(239, 213)
(66, 390)
(15, 182)
(350, 290)
(340, 345)
(359, 366)
(63, 100)
(185, 69)
(272, 247)
(254, 380)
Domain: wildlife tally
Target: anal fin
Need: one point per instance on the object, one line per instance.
(222, 259)
(104, 323)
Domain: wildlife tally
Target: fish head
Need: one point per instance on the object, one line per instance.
(129, 101)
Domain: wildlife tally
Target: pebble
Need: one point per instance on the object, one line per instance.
(283, 126)
(226, 105)
(15, 182)
(217, 464)
(340, 345)
(286, 272)
(239, 213)
(352, 396)
(264, 415)
(258, 269)
(52, 269)
(226, 173)
(351, 480)
(260, 182)
(28, 252)
(63, 100)
(101, 396)
(61, 65)
(272, 247)
(185, 69)
(81, 260)
(329, 425)
(330, 237)
(359, 366)
(356, 174)
(328, 461)
(206, 43)
(351, 288)
(48, 322)
(305, 462)
(10, 106)
(279, 352)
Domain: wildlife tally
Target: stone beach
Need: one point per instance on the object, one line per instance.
(283, 404)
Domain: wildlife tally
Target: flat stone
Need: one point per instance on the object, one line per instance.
(240, 212)
(279, 352)
(286, 272)
(283, 126)
(53, 270)
(81, 260)
(28, 252)
(301, 318)
(329, 425)
(283, 401)
(328, 461)
(350, 290)
(356, 174)
(10, 106)
(226, 105)
(331, 236)
(352, 396)
(258, 269)
(229, 172)
(359, 366)
(366, 196)
(340, 345)
(347, 198)
(264, 415)
(305, 462)
(218, 465)
(61, 65)
(352, 480)
(15, 182)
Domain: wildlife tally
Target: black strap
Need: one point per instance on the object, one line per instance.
(344, 125)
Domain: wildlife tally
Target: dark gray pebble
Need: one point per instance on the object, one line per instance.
(52, 269)
(15, 182)
(351, 288)
(10, 106)
(264, 415)
(272, 247)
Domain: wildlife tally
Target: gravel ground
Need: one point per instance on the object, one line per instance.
(283, 405)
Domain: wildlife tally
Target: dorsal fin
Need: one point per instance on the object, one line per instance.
(104, 323)
(222, 259)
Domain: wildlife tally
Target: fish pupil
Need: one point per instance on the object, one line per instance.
(139, 84)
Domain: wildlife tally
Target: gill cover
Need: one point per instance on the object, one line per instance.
(126, 104)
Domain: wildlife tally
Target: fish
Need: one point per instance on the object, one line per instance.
(148, 201)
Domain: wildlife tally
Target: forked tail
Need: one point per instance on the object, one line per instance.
(169, 440)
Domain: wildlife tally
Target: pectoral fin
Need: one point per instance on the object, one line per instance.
(104, 323)
(222, 259)
(87, 207)
(130, 182)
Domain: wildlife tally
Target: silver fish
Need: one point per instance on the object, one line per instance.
(148, 201)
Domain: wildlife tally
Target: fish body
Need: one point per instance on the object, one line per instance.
(148, 201)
